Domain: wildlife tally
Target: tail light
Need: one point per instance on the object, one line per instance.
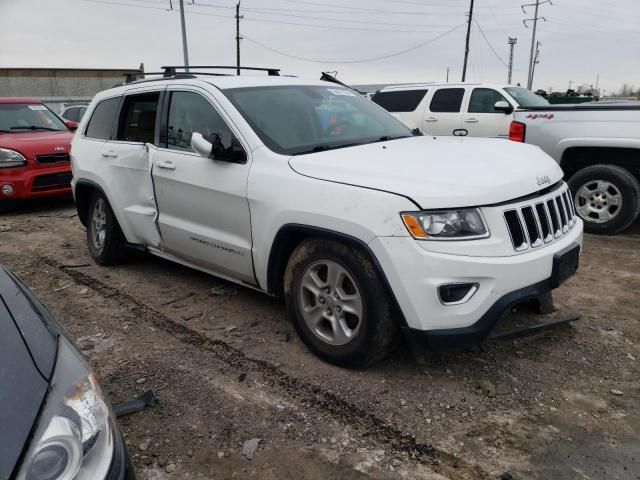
(517, 131)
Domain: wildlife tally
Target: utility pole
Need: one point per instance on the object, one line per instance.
(466, 44)
(185, 50)
(533, 35)
(238, 37)
(535, 62)
(512, 42)
(448, 74)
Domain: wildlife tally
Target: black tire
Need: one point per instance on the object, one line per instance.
(5, 206)
(624, 182)
(111, 250)
(377, 334)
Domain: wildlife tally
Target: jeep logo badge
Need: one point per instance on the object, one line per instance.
(543, 180)
(59, 149)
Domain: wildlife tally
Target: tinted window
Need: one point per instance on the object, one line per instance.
(101, 121)
(400, 101)
(138, 118)
(81, 112)
(483, 100)
(447, 100)
(189, 113)
(300, 119)
(72, 114)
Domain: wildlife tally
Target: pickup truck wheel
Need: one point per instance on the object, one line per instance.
(607, 198)
(338, 304)
(104, 238)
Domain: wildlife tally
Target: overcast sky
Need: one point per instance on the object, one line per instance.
(581, 38)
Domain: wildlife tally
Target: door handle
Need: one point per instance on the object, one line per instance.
(471, 120)
(110, 154)
(431, 119)
(166, 165)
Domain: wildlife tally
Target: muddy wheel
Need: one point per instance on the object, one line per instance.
(104, 238)
(606, 197)
(338, 304)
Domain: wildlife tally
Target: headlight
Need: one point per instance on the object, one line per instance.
(11, 158)
(458, 224)
(74, 437)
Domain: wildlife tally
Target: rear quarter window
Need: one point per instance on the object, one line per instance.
(400, 101)
(100, 124)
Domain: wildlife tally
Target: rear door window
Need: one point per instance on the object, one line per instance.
(483, 100)
(399, 101)
(72, 114)
(101, 122)
(447, 100)
(138, 118)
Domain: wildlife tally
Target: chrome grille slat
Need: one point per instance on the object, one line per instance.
(540, 222)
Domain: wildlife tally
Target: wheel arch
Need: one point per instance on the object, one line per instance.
(576, 158)
(290, 236)
(83, 191)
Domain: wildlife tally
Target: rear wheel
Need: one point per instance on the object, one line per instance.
(607, 198)
(104, 238)
(338, 304)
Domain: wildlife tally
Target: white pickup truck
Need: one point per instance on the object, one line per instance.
(598, 147)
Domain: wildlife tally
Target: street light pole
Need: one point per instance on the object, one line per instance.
(185, 50)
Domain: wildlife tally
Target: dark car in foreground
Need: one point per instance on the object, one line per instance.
(55, 423)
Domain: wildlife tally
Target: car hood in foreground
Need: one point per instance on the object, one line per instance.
(22, 391)
(438, 172)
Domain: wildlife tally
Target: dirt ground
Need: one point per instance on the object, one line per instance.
(227, 367)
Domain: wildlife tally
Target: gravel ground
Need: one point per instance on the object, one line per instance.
(227, 367)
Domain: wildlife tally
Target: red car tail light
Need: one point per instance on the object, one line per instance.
(517, 131)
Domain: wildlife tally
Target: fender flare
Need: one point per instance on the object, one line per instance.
(280, 248)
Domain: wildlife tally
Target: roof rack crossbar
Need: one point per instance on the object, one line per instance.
(170, 70)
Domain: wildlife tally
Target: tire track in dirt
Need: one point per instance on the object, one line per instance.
(306, 393)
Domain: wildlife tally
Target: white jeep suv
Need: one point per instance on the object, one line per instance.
(307, 189)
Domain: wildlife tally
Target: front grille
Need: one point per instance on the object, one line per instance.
(51, 182)
(533, 225)
(53, 158)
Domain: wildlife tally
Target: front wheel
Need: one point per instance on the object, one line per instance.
(607, 198)
(104, 238)
(338, 304)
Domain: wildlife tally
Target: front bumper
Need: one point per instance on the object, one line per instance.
(121, 467)
(36, 181)
(415, 274)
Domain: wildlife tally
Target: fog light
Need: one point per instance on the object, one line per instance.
(456, 293)
(8, 190)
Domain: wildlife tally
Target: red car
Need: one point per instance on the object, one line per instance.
(34, 151)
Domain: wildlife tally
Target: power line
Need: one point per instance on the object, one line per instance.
(382, 57)
(489, 43)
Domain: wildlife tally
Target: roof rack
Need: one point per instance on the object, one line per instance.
(170, 70)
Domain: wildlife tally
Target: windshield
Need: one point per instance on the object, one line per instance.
(299, 119)
(23, 117)
(526, 98)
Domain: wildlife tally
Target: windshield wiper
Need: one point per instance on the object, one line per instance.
(322, 148)
(34, 127)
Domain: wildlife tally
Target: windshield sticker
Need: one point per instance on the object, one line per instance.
(37, 107)
(342, 91)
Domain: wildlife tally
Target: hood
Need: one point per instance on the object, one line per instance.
(28, 348)
(22, 391)
(34, 143)
(438, 172)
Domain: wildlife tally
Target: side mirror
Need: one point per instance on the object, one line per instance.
(200, 145)
(504, 107)
(211, 146)
(71, 125)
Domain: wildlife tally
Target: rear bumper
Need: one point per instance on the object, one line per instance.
(36, 181)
